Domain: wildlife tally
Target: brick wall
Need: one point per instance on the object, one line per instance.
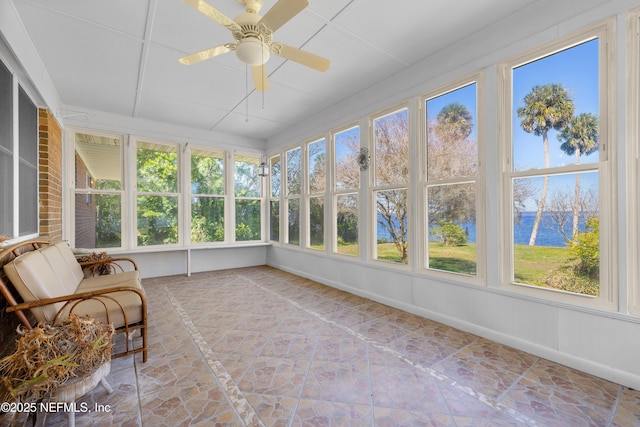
(50, 166)
(50, 169)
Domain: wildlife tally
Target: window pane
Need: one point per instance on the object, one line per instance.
(317, 166)
(391, 225)
(452, 228)
(452, 147)
(207, 219)
(207, 172)
(6, 193)
(247, 220)
(98, 162)
(276, 176)
(293, 221)
(556, 106)
(316, 222)
(347, 171)
(560, 249)
(157, 168)
(391, 135)
(98, 221)
(246, 177)
(274, 220)
(294, 171)
(347, 224)
(157, 220)
(28, 168)
(6, 152)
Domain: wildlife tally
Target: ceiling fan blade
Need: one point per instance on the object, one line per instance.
(207, 53)
(300, 56)
(260, 77)
(282, 12)
(213, 13)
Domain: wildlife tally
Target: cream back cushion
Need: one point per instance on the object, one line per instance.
(49, 272)
(64, 264)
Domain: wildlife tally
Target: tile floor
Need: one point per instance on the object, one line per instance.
(261, 347)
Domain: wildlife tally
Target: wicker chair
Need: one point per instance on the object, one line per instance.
(52, 284)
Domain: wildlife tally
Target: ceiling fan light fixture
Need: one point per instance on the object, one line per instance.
(252, 51)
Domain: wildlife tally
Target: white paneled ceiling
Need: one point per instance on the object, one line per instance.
(121, 56)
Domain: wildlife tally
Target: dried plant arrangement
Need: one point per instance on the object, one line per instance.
(100, 263)
(48, 356)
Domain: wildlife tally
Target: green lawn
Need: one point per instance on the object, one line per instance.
(532, 264)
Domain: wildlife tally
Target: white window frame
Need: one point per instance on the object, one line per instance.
(133, 238)
(308, 195)
(273, 197)
(188, 151)
(478, 180)
(335, 192)
(232, 193)
(631, 299)
(16, 141)
(608, 298)
(374, 189)
(286, 197)
(71, 172)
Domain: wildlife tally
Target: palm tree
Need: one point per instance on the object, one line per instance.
(580, 137)
(455, 122)
(545, 108)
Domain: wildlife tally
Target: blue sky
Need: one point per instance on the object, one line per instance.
(577, 70)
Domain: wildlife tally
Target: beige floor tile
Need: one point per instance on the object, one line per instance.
(259, 346)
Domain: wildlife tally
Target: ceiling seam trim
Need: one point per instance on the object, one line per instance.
(144, 55)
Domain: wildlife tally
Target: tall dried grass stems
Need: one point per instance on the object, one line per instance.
(47, 356)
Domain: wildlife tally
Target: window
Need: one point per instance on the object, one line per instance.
(6, 153)
(292, 196)
(208, 185)
(18, 160)
(451, 186)
(346, 146)
(558, 176)
(248, 198)
(390, 185)
(274, 198)
(28, 167)
(98, 190)
(316, 187)
(157, 196)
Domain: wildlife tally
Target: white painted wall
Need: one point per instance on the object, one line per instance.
(184, 261)
(600, 342)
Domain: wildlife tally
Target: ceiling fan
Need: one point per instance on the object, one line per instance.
(253, 34)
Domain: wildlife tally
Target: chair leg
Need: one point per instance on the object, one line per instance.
(106, 385)
(71, 417)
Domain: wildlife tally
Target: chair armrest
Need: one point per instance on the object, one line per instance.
(112, 263)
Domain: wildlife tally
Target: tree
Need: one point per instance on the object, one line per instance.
(392, 170)
(451, 153)
(207, 208)
(579, 137)
(545, 108)
(454, 123)
(157, 173)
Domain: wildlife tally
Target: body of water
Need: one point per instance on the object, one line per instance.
(548, 234)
